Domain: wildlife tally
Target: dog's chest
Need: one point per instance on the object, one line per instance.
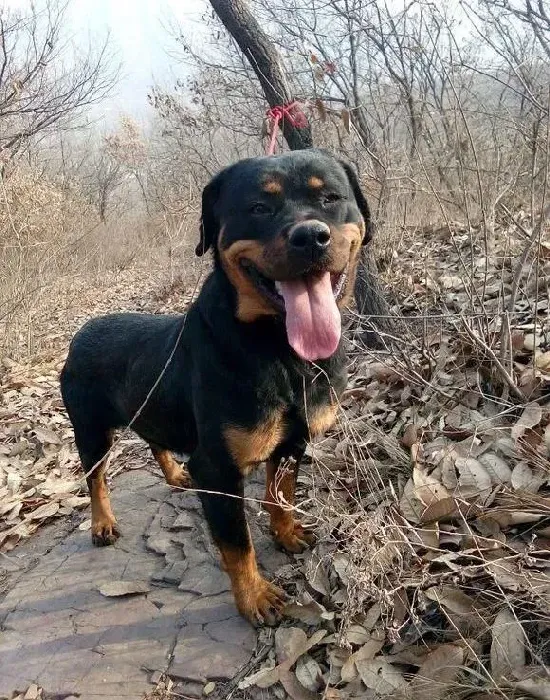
(289, 418)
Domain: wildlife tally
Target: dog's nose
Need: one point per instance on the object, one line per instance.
(310, 238)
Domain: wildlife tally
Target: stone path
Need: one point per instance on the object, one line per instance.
(58, 631)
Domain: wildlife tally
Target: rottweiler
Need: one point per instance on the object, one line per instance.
(252, 370)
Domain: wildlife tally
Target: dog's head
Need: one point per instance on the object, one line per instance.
(287, 231)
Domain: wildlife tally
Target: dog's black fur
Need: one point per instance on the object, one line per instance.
(232, 367)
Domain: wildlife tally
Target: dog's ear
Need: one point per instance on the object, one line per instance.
(210, 223)
(360, 199)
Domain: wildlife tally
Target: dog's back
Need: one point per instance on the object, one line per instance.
(112, 364)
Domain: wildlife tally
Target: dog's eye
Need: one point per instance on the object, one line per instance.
(260, 209)
(330, 198)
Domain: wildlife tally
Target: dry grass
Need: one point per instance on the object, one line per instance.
(53, 243)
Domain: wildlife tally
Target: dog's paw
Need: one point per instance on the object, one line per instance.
(181, 478)
(105, 532)
(295, 539)
(262, 603)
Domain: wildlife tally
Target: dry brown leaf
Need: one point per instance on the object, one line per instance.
(538, 688)
(209, 688)
(317, 575)
(258, 675)
(48, 510)
(496, 467)
(33, 692)
(7, 506)
(341, 563)
(530, 417)
(381, 676)
(428, 535)
(311, 613)
(451, 598)
(383, 372)
(506, 518)
(309, 673)
(115, 589)
(357, 634)
(505, 572)
(427, 488)
(409, 505)
(410, 436)
(55, 486)
(287, 641)
(292, 643)
(85, 525)
(372, 616)
(366, 653)
(508, 646)
(19, 447)
(542, 361)
(473, 478)
(46, 436)
(77, 501)
(451, 282)
(437, 672)
(532, 341)
(295, 689)
(525, 478)
(445, 509)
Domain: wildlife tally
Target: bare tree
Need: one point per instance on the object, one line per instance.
(43, 81)
(106, 176)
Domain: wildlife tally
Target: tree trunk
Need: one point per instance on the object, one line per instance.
(267, 64)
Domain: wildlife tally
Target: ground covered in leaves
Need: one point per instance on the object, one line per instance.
(430, 498)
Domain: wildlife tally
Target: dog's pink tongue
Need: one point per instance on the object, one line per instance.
(313, 323)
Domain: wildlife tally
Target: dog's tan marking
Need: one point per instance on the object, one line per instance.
(279, 499)
(321, 419)
(104, 526)
(257, 599)
(272, 186)
(250, 302)
(174, 474)
(250, 446)
(346, 244)
(315, 182)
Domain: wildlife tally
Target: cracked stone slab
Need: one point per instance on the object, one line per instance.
(58, 631)
(200, 658)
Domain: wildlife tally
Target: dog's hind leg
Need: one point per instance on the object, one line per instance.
(92, 423)
(93, 446)
(174, 474)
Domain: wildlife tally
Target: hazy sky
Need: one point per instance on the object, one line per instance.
(138, 36)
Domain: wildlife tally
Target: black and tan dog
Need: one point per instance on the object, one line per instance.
(259, 363)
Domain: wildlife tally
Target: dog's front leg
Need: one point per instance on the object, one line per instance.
(281, 474)
(221, 492)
